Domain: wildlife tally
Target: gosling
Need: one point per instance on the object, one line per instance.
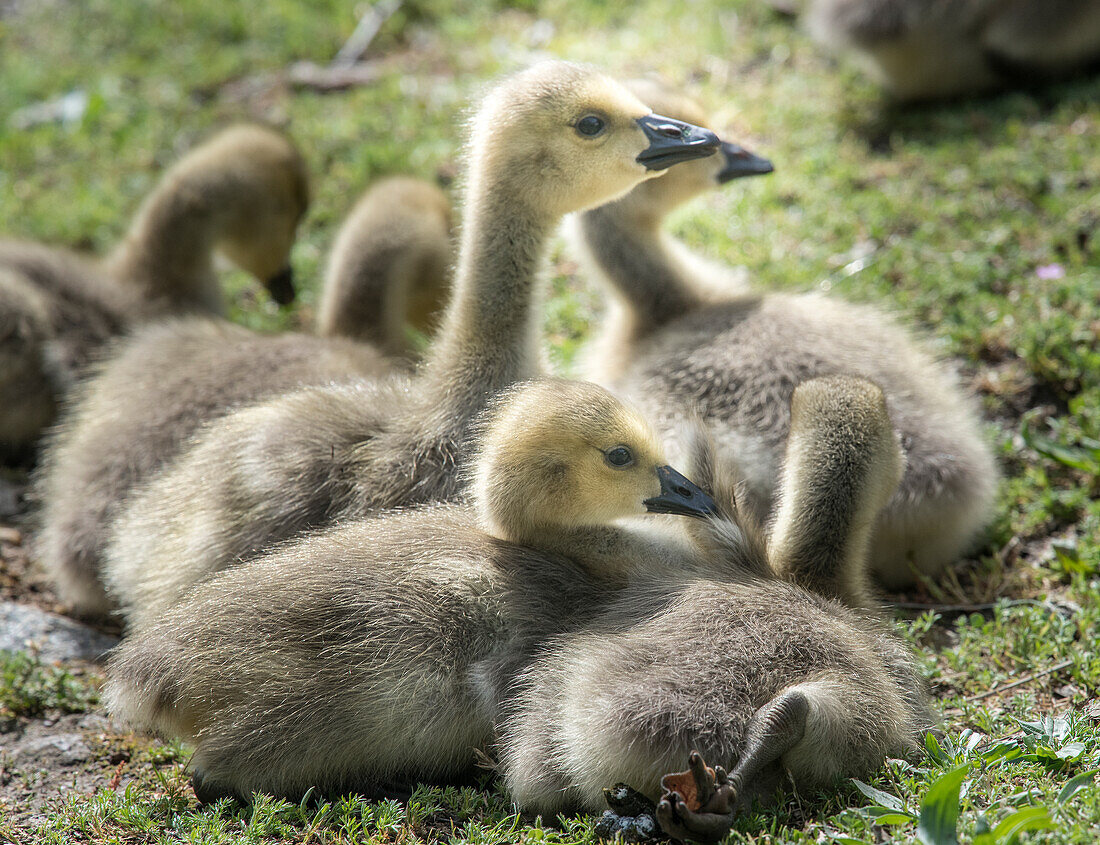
(154, 389)
(759, 670)
(928, 49)
(373, 652)
(674, 340)
(241, 193)
(395, 250)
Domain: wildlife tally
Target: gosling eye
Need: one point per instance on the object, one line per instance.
(619, 457)
(590, 126)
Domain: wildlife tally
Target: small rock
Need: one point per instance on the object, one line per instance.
(55, 637)
(59, 749)
(67, 110)
(626, 801)
(1067, 691)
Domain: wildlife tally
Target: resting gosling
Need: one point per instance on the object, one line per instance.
(396, 246)
(550, 140)
(242, 193)
(749, 668)
(373, 652)
(925, 49)
(672, 343)
(141, 404)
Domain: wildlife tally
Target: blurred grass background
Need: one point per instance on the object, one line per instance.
(976, 221)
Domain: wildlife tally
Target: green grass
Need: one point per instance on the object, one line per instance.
(29, 687)
(953, 209)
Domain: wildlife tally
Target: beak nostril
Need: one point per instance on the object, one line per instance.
(683, 491)
(673, 141)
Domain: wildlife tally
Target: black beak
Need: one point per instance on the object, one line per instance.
(680, 496)
(281, 286)
(740, 162)
(673, 141)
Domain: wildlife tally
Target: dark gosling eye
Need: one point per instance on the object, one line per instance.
(590, 126)
(619, 457)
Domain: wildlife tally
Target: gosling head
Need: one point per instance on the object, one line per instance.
(559, 454)
(565, 138)
(693, 178)
(257, 179)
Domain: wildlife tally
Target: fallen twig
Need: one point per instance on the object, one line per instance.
(364, 33)
(331, 78)
(1027, 679)
(1066, 610)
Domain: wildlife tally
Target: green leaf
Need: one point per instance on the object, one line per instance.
(885, 799)
(1045, 752)
(1076, 784)
(1071, 750)
(932, 745)
(1060, 728)
(1034, 728)
(939, 810)
(1029, 818)
(894, 818)
(1008, 750)
(1084, 457)
(969, 740)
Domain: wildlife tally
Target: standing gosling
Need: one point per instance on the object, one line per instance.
(673, 342)
(142, 403)
(925, 49)
(241, 193)
(374, 651)
(396, 246)
(752, 669)
(553, 139)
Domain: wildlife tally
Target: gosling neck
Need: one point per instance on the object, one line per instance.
(824, 523)
(167, 254)
(489, 336)
(612, 553)
(365, 295)
(630, 251)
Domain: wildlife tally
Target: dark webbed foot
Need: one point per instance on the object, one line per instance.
(208, 791)
(697, 804)
(631, 817)
(700, 803)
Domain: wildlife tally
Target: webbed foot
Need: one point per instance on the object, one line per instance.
(208, 791)
(697, 804)
(631, 817)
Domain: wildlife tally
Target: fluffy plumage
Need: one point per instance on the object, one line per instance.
(242, 193)
(395, 252)
(748, 663)
(301, 460)
(376, 650)
(922, 49)
(675, 342)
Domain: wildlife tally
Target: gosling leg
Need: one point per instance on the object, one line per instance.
(706, 815)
